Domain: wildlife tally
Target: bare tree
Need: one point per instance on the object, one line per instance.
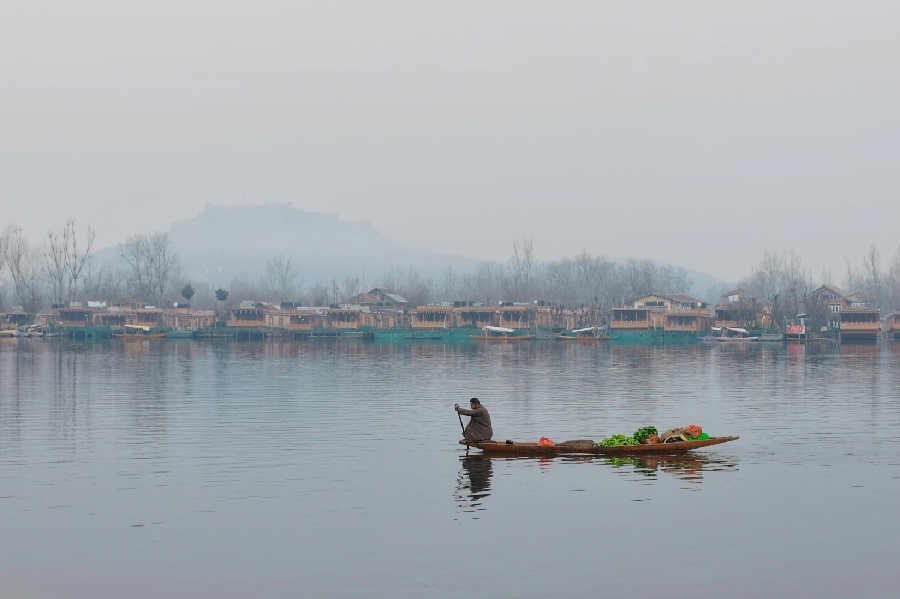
(521, 270)
(351, 287)
(893, 284)
(3, 244)
(76, 255)
(318, 295)
(281, 275)
(164, 266)
(853, 278)
(134, 254)
(449, 284)
(55, 265)
(488, 282)
(152, 265)
(23, 263)
(334, 289)
(110, 281)
(872, 266)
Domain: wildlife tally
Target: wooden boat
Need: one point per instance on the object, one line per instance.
(586, 335)
(506, 448)
(730, 335)
(489, 333)
(136, 331)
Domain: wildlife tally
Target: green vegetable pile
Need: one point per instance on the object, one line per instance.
(635, 439)
(617, 441)
(641, 434)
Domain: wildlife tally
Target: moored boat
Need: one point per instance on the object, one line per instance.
(585, 335)
(491, 333)
(135, 331)
(515, 448)
(730, 335)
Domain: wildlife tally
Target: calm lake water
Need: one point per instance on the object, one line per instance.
(332, 469)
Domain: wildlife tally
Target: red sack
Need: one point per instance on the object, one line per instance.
(693, 431)
(545, 442)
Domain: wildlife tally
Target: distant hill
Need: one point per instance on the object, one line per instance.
(224, 242)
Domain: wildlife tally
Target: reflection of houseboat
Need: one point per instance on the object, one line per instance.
(489, 333)
(730, 335)
(585, 335)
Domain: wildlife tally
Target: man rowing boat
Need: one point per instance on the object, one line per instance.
(479, 427)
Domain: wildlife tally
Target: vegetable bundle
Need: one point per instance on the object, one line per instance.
(636, 439)
(641, 434)
(618, 440)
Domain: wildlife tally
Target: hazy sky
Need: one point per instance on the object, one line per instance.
(699, 133)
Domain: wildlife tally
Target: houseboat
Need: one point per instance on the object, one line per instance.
(860, 318)
(635, 324)
(860, 325)
(892, 326)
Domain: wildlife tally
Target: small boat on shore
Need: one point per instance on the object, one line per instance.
(730, 335)
(581, 447)
(585, 335)
(135, 331)
(490, 333)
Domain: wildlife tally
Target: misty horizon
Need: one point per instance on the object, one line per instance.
(702, 134)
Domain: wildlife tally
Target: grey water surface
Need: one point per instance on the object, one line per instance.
(331, 469)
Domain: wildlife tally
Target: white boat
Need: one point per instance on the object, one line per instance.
(585, 335)
(730, 335)
(491, 333)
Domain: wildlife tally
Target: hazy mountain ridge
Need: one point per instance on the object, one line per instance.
(225, 242)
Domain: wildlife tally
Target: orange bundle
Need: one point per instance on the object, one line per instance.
(545, 442)
(693, 431)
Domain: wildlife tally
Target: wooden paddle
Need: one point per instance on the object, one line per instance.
(458, 415)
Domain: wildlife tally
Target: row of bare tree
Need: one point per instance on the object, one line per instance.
(52, 270)
(585, 280)
(60, 270)
(784, 282)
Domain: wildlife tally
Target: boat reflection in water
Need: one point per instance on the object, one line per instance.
(474, 479)
(474, 482)
(689, 468)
